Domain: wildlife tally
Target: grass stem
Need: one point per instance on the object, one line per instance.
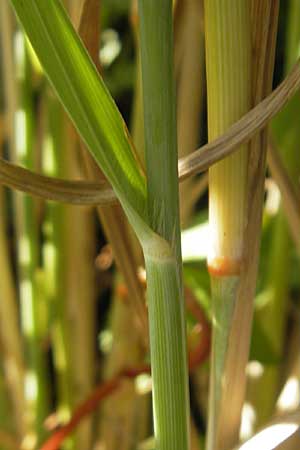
(228, 53)
(163, 252)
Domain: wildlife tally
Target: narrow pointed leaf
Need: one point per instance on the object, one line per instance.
(84, 95)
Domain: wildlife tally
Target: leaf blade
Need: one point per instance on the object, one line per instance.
(84, 96)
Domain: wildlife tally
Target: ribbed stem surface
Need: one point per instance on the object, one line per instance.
(168, 355)
(163, 253)
(160, 117)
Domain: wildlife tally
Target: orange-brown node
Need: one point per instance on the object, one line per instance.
(224, 267)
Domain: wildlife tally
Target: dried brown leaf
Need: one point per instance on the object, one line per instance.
(50, 188)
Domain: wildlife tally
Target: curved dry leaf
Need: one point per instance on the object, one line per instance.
(74, 192)
(84, 193)
(243, 130)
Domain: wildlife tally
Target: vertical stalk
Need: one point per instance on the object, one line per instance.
(55, 263)
(13, 363)
(189, 52)
(124, 414)
(10, 334)
(32, 316)
(69, 263)
(228, 52)
(273, 316)
(11, 368)
(228, 48)
(189, 74)
(265, 20)
(163, 252)
(79, 233)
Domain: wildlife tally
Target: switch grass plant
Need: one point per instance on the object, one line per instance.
(139, 188)
(156, 224)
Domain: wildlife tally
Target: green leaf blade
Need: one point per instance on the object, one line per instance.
(84, 96)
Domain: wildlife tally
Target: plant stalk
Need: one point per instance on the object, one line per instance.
(55, 261)
(162, 252)
(33, 315)
(13, 361)
(190, 83)
(228, 53)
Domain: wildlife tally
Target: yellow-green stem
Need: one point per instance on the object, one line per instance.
(228, 52)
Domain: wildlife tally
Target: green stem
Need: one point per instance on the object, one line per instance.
(168, 353)
(163, 252)
(160, 118)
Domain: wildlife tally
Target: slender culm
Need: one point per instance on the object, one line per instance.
(163, 254)
(228, 52)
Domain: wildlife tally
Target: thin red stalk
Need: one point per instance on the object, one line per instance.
(82, 411)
